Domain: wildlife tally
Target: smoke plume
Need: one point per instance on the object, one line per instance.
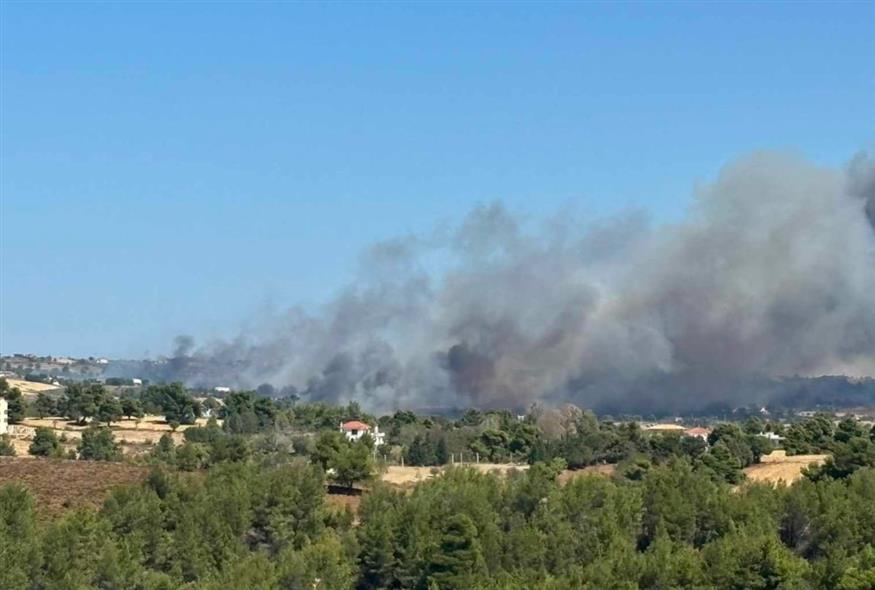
(771, 274)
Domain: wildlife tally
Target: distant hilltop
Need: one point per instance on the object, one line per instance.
(789, 393)
(23, 365)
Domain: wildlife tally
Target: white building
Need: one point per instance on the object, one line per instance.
(775, 438)
(4, 424)
(354, 430)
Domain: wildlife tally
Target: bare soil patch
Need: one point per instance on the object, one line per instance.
(407, 475)
(60, 485)
(779, 467)
(135, 436)
(32, 388)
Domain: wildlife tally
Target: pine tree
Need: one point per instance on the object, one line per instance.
(441, 453)
(459, 558)
(45, 443)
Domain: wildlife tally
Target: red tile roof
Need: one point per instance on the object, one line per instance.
(698, 431)
(355, 425)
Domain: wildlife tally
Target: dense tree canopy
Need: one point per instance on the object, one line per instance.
(245, 506)
(173, 401)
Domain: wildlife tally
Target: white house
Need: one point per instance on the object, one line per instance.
(354, 430)
(775, 438)
(4, 425)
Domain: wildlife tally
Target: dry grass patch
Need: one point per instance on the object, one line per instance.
(60, 485)
(779, 467)
(135, 436)
(408, 475)
(32, 388)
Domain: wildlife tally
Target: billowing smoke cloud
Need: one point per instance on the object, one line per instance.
(771, 274)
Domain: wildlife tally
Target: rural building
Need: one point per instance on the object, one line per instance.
(4, 424)
(698, 432)
(354, 430)
(775, 438)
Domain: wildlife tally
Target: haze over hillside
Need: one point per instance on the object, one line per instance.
(771, 274)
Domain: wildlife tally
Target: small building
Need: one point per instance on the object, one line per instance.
(4, 423)
(222, 389)
(136, 381)
(698, 432)
(355, 430)
(663, 428)
(775, 438)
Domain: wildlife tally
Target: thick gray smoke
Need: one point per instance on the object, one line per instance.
(771, 274)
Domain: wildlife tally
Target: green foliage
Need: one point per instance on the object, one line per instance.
(98, 444)
(746, 562)
(321, 416)
(109, 410)
(191, 456)
(351, 464)
(458, 559)
(6, 447)
(165, 450)
(132, 408)
(328, 445)
(204, 434)
(83, 400)
(848, 457)
(812, 436)
(173, 401)
(44, 405)
(45, 444)
(19, 543)
(421, 452)
(14, 401)
(245, 412)
(255, 516)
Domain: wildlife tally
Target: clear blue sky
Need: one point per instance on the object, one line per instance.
(171, 167)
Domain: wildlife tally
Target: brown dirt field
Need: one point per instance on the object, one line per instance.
(778, 467)
(132, 435)
(31, 388)
(406, 476)
(149, 424)
(60, 485)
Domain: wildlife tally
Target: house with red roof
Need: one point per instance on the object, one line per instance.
(698, 432)
(354, 430)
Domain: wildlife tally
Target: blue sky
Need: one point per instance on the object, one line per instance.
(173, 168)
